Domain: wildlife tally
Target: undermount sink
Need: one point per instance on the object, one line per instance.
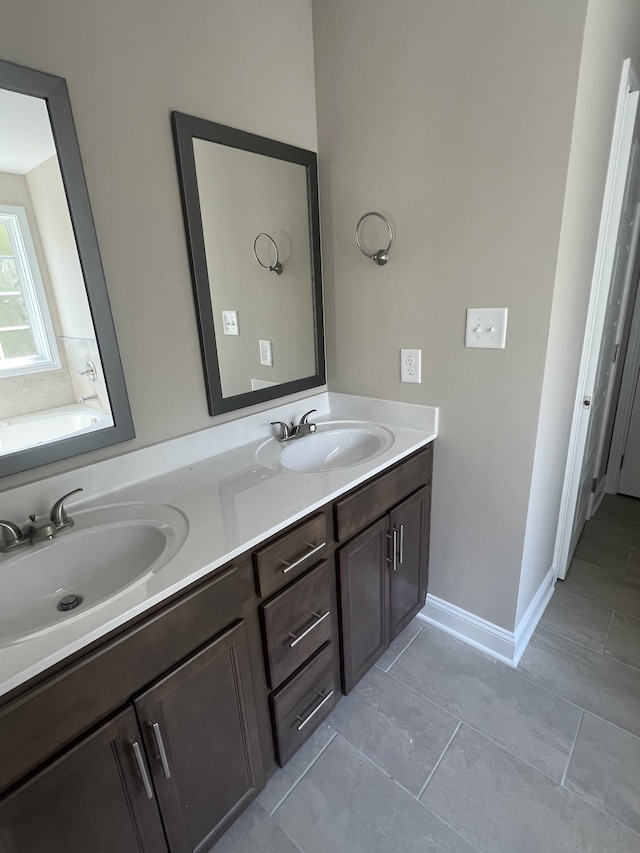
(107, 551)
(335, 445)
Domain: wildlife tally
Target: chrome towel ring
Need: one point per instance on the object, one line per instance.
(382, 255)
(276, 266)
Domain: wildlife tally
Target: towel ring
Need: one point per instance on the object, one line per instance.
(276, 267)
(382, 255)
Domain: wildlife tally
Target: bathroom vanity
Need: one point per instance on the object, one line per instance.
(153, 734)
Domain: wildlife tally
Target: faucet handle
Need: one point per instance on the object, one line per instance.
(10, 535)
(303, 419)
(58, 513)
(285, 430)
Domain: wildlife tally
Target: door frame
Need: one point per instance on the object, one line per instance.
(600, 283)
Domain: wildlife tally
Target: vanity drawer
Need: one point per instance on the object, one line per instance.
(290, 555)
(367, 503)
(304, 701)
(298, 621)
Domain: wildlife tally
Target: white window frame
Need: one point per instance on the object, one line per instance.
(47, 357)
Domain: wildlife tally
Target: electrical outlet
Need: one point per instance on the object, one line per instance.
(266, 355)
(411, 365)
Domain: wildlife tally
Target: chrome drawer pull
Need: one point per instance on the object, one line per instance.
(162, 753)
(305, 720)
(394, 548)
(144, 776)
(318, 619)
(314, 550)
(401, 543)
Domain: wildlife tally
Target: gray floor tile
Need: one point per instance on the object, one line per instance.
(605, 770)
(284, 779)
(399, 730)
(537, 726)
(603, 586)
(502, 805)
(255, 832)
(400, 644)
(603, 549)
(605, 687)
(345, 804)
(623, 641)
(577, 619)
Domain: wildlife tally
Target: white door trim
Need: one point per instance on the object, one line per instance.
(611, 211)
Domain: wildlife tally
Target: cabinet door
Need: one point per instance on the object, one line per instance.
(201, 731)
(409, 523)
(364, 596)
(92, 798)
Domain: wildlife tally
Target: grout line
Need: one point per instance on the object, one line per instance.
(304, 773)
(582, 646)
(398, 656)
(573, 746)
(437, 764)
(606, 636)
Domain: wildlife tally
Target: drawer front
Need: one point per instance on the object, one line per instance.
(300, 705)
(298, 621)
(280, 562)
(369, 502)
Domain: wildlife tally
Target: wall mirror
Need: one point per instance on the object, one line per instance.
(62, 390)
(252, 222)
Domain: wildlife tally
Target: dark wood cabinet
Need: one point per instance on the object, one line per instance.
(97, 796)
(364, 595)
(409, 571)
(383, 569)
(153, 739)
(200, 730)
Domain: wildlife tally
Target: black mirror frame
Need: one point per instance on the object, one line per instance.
(53, 90)
(185, 129)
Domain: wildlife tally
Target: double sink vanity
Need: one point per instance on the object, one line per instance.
(226, 604)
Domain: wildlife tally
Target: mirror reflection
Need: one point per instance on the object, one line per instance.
(252, 223)
(55, 399)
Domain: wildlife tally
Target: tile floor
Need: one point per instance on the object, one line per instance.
(440, 748)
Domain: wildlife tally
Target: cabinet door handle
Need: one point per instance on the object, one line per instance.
(317, 620)
(394, 549)
(401, 543)
(162, 753)
(314, 549)
(144, 776)
(323, 699)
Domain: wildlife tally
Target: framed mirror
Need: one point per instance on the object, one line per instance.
(252, 223)
(62, 390)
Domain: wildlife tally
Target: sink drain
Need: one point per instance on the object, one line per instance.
(69, 602)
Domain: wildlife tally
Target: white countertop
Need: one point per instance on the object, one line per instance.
(229, 501)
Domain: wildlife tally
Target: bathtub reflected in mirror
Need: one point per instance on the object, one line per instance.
(62, 390)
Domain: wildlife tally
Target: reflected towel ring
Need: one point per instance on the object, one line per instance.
(275, 267)
(382, 255)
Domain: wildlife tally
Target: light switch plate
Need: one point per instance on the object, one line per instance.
(230, 323)
(486, 328)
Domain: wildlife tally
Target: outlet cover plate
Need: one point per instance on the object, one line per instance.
(411, 365)
(486, 328)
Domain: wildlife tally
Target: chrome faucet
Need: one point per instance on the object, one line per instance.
(12, 536)
(288, 432)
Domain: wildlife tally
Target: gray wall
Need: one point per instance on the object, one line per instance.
(454, 118)
(128, 63)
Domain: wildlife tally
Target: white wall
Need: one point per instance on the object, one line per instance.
(612, 33)
(454, 118)
(128, 63)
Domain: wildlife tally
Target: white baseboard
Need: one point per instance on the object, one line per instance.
(505, 646)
